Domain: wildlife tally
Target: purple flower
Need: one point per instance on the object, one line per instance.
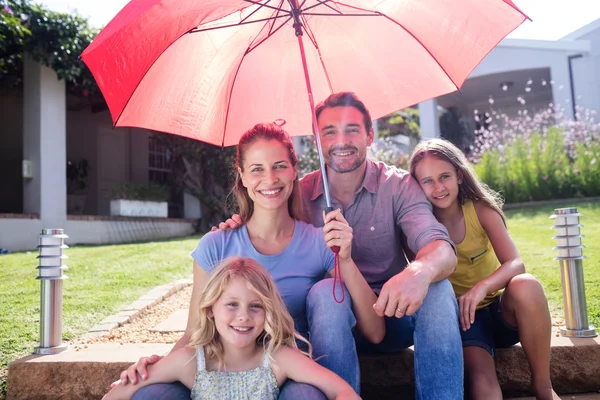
(7, 10)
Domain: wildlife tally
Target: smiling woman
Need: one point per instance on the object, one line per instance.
(296, 254)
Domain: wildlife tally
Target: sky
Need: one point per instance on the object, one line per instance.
(552, 19)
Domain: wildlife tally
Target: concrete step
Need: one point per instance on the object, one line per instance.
(86, 373)
(570, 396)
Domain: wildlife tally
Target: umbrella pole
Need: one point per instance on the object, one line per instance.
(298, 26)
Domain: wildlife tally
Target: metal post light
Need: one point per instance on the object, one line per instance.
(50, 275)
(570, 258)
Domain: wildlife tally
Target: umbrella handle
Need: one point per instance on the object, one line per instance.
(335, 249)
(337, 272)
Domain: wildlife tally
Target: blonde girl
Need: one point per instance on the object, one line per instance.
(499, 304)
(244, 345)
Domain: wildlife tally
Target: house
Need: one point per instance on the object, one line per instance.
(526, 74)
(42, 127)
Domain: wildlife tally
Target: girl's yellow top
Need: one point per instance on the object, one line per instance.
(476, 257)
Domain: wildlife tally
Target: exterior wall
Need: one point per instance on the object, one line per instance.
(503, 59)
(586, 74)
(19, 234)
(125, 230)
(11, 150)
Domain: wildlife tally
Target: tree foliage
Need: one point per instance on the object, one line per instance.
(51, 38)
(403, 122)
(206, 172)
(453, 129)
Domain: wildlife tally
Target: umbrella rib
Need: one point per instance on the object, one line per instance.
(196, 30)
(237, 71)
(253, 12)
(342, 15)
(277, 14)
(313, 40)
(411, 34)
(264, 5)
(271, 33)
(321, 3)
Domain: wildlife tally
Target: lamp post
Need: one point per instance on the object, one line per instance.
(50, 275)
(570, 258)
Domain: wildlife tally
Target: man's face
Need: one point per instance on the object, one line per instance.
(344, 138)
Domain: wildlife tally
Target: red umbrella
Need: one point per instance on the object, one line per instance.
(209, 69)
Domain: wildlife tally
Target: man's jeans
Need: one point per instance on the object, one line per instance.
(433, 330)
(177, 391)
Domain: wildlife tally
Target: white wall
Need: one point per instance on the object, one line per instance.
(586, 74)
(124, 231)
(19, 234)
(503, 59)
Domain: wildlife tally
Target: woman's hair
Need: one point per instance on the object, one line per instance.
(279, 325)
(471, 187)
(267, 132)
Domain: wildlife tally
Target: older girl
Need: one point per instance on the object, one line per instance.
(499, 304)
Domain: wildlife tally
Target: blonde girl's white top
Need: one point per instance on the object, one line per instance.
(253, 384)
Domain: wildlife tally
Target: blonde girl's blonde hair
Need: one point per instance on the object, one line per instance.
(471, 187)
(279, 325)
(270, 132)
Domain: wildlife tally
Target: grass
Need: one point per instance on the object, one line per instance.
(102, 279)
(530, 229)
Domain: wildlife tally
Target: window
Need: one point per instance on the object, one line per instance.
(159, 162)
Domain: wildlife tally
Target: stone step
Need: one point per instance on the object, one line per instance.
(86, 373)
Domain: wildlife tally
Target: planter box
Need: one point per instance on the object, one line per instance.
(137, 208)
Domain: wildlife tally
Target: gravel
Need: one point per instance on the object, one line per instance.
(138, 329)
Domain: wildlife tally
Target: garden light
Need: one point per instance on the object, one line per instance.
(570, 258)
(50, 269)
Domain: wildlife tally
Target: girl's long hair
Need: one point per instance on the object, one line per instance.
(471, 187)
(267, 132)
(279, 325)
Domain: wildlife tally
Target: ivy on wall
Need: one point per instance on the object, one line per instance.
(51, 38)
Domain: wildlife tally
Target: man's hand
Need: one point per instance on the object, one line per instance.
(467, 305)
(338, 233)
(404, 293)
(232, 223)
(130, 375)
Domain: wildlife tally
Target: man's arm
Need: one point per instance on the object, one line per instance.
(435, 253)
(437, 260)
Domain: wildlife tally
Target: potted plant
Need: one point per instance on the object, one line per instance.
(139, 200)
(77, 174)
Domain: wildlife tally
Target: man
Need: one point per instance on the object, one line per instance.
(381, 203)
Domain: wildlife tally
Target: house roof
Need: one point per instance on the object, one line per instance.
(584, 30)
(560, 45)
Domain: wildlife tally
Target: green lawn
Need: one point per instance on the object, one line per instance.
(530, 229)
(102, 279)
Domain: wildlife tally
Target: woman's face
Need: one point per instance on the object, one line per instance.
(268, 174)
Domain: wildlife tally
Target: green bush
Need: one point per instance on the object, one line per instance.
(139, 191)
(537, 167)
(586, 168)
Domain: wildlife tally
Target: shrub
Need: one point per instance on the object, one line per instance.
(140, 191)
(540, 156)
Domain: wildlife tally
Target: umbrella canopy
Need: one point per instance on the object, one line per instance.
(211, 69)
